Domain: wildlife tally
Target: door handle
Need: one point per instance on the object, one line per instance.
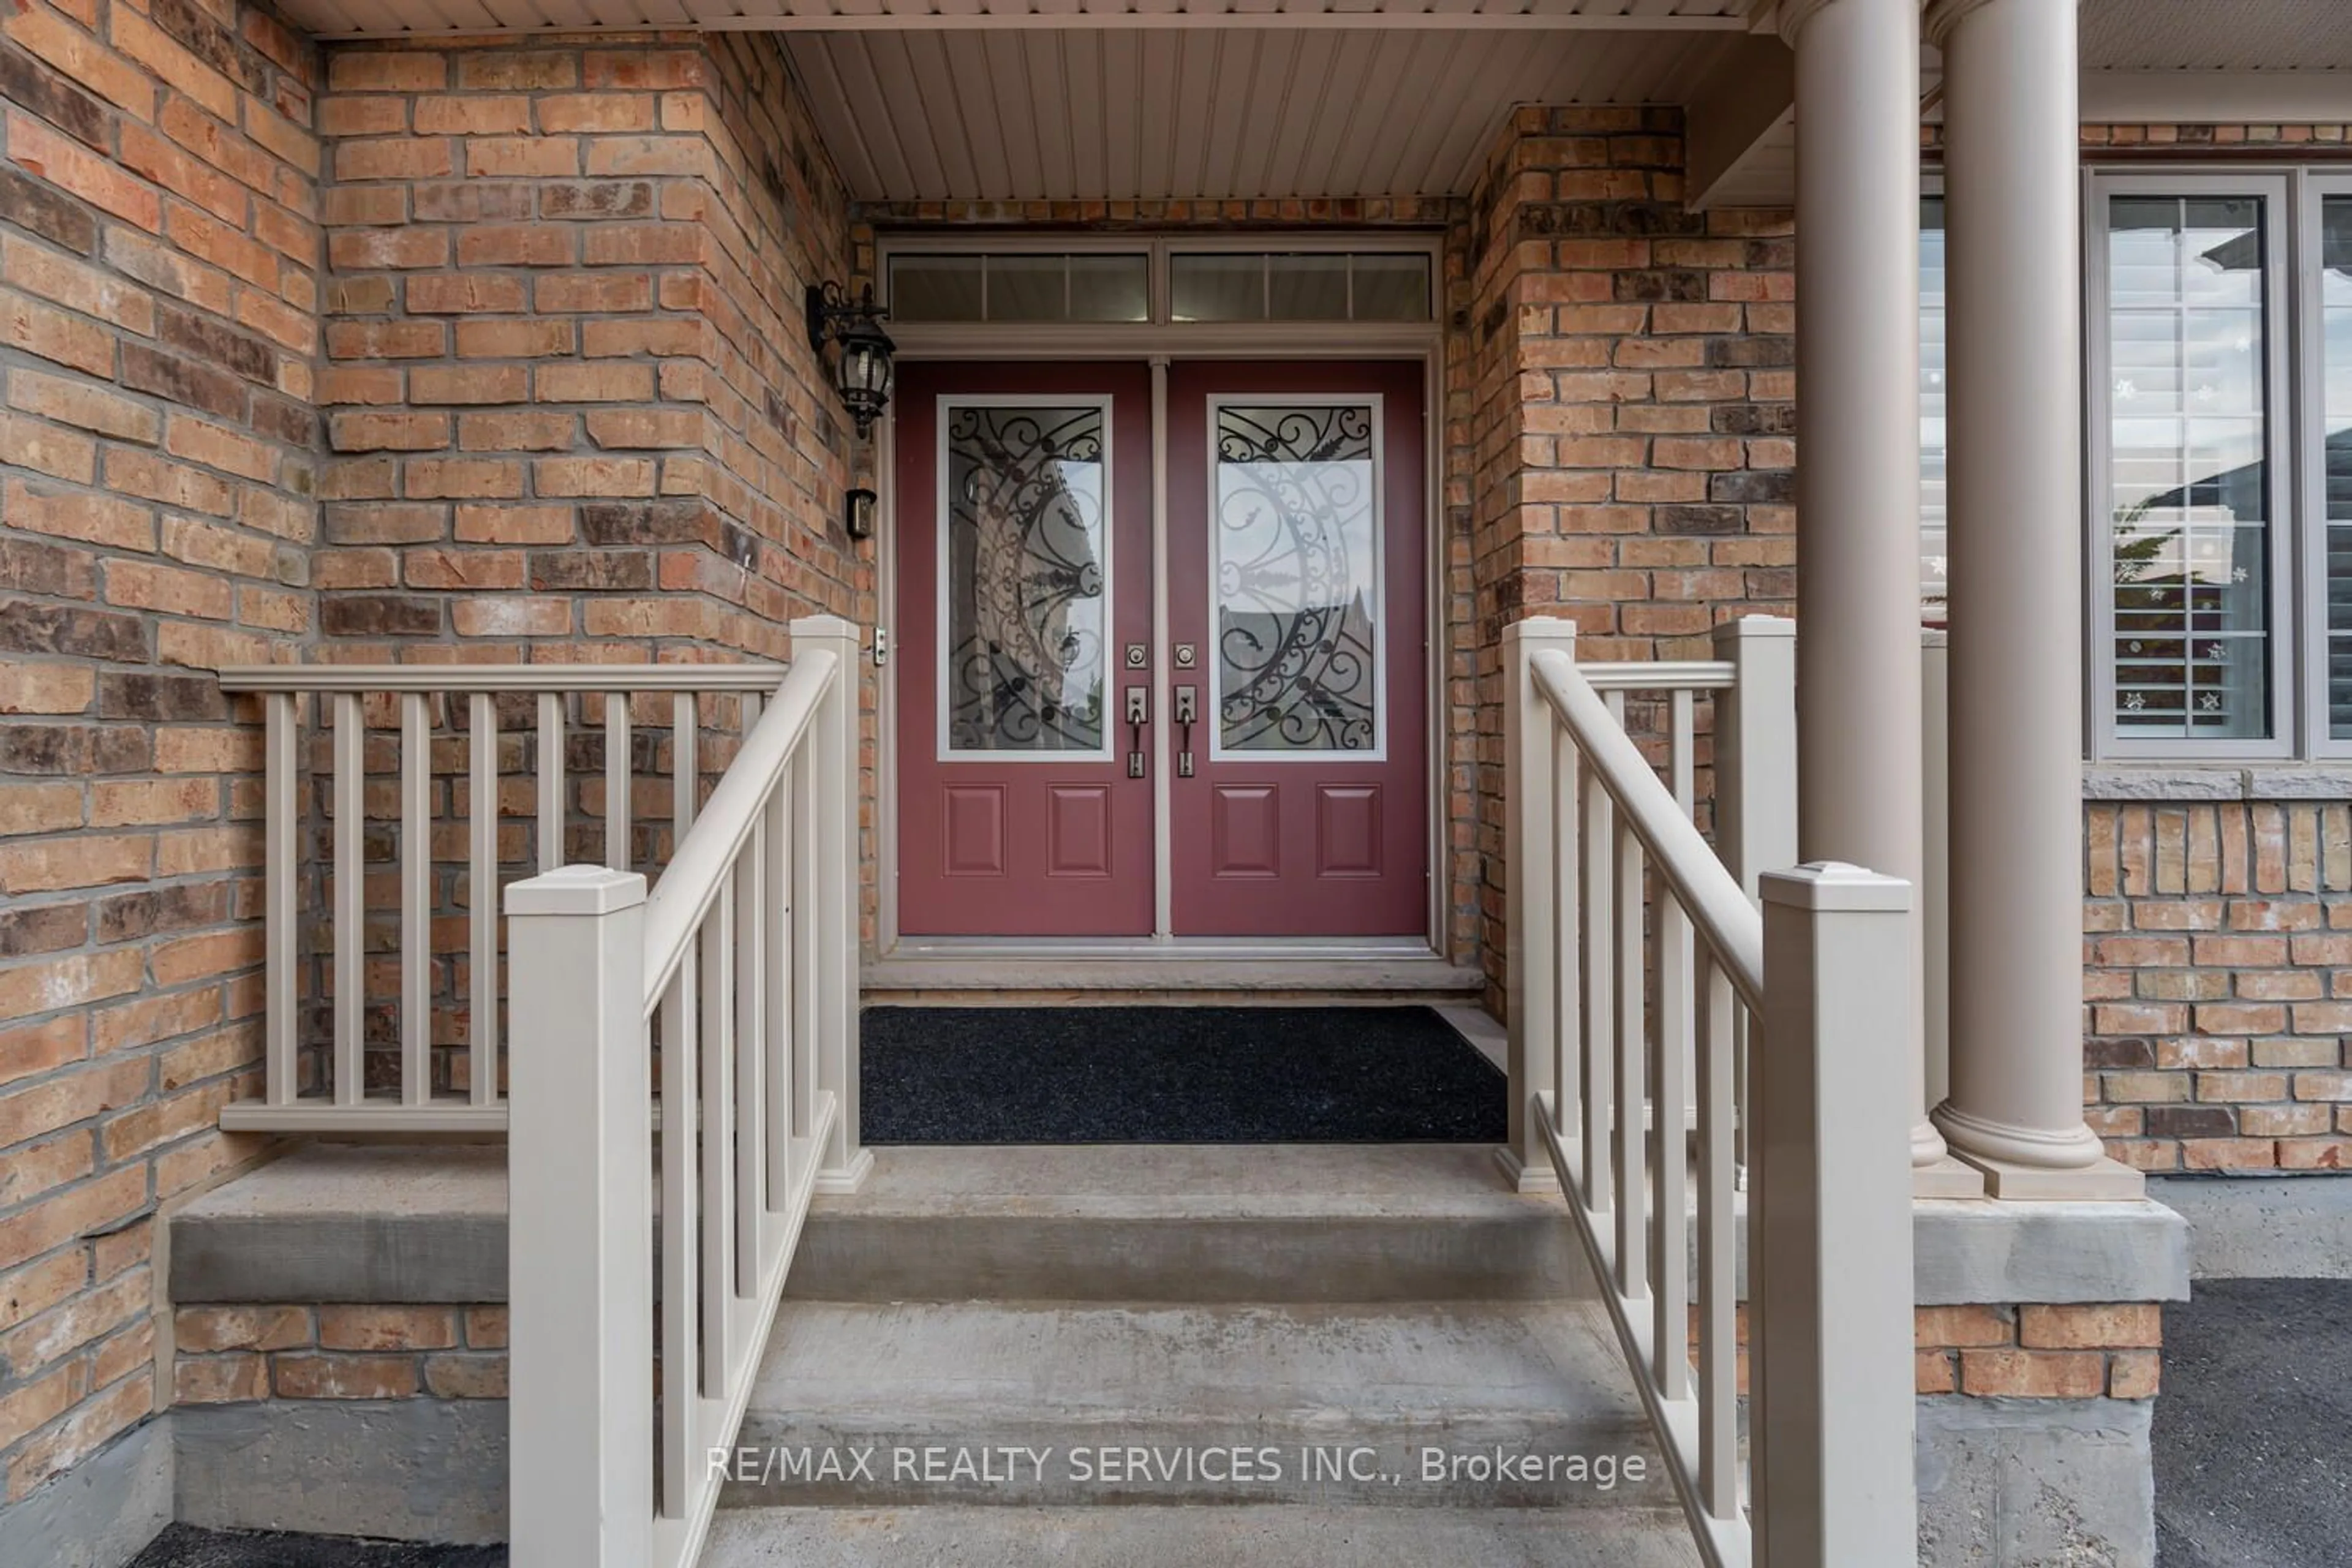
(1138, 713)
(1188, 709)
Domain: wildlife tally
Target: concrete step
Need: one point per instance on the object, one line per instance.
(1264, 1222)
(1244, 1537)
(1046, 1404)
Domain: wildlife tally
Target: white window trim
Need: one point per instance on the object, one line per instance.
(2311, 190)
(2283, 331)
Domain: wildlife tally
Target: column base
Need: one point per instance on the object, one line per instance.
(2102, 1181)
(1946, 1177)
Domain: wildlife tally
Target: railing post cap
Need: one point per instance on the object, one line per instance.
(576, 891)
(820, 626)
(1754, 626)
(1540, 628)
(1834, 887)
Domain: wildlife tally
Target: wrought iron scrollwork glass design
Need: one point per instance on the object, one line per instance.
(1295, 559)
(1028, 578)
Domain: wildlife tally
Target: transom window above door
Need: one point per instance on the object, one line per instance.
(1166, 282)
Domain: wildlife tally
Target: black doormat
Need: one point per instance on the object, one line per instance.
(184, 1546)
(1174, 1074)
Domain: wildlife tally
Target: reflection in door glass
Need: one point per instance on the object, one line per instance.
(1027, 579)
(1295, 561)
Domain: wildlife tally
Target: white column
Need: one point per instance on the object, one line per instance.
(2013, 196)
(1858, 748)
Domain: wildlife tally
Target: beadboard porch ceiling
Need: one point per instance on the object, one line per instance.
(1027, 100)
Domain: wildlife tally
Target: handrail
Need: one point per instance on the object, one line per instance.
(1706, 890)
(435, 679)
(698, 870)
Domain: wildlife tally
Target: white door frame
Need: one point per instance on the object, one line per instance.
(1158, 343)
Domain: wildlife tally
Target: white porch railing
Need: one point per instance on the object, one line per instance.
(738, 976)
(434, 992)
(1637, 961)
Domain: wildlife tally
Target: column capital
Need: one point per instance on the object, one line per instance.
(1793, 16)
(1937, 18)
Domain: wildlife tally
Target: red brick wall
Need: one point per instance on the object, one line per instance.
(231, 1355)
(1631, 410)
(159, 276)
(2219, 982)
(573, 411)
(574, 416)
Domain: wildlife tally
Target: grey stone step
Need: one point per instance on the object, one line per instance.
(1267, 1223)
(1143, 1405)
(1244, 1537)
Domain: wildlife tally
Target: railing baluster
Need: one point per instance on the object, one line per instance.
(281, 814)
(806, 947)
(415, 900)
(482, 822)
(1718, 1249)
(681, 1371)
(550, 780)
(1633, 1276)
(1599, 842)
(350, 897)
(1669, 1152)
(616, 780)
(717, 943)
(750, 1150)
(684, 760)
(1567, 1106)
(776, 961)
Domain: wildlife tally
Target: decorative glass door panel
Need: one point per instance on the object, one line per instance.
(1027, 590)
(1296, 580)
(1024, 528)
(1295, 537)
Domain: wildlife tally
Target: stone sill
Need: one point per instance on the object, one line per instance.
(2179, 782)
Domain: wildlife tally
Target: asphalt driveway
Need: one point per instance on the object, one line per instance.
(2253, 1430)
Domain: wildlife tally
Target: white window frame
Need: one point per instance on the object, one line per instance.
(942, 543)
(2283, 325)
(1218, 402)
(2311, 189)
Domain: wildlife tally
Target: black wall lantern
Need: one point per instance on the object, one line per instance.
(861, 367)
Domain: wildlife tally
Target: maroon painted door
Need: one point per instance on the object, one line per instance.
(1295, 577)
(1024, 521)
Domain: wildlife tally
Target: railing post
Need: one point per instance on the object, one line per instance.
(1532, 957)
(580, 1222)
(1830, 1225)
(1756, 748)
(833, 738)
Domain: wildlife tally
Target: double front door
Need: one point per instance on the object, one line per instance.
(1211, 678)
